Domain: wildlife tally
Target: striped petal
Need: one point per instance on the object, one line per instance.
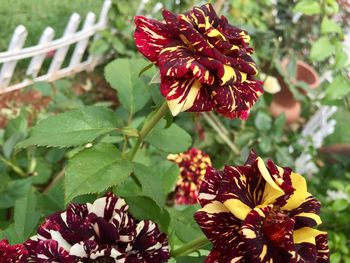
(181, 93)
(177, 60)
(48, 251)
(90, 249)
(236, 100)
(322, 248)
(151, 36)
(150, 244)
(210, 186)
(12, 253)
(222, 229)
(307, 214)
(312, 245)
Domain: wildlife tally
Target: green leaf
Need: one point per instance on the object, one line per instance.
(265, 144)
(130, 187)
(338, 89)
(42, 172)
(263, 121)
(278, 126)
(26, 216)
(16, 130)
(308, 7)
(17, 125)
(151, 183)
(12, 191)
(340, 205)
(322, 49)
(43, 87)
(122, 74)
(99, 47)
(173, 139)
(142, 208)
(187, 259)
(283, 157)
(170, 172)
(94, 170)
(72, 128)
(118, 45)
(183, 223)
(329, 26)
(335, 257)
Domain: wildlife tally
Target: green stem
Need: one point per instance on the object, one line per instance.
(14, 167)
(147, 127)
(190, 247)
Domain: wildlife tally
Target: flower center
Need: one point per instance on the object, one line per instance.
(277, 224)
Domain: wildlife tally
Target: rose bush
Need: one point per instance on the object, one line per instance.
(106, 171)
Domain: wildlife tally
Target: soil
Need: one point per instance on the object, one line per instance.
(12, 102)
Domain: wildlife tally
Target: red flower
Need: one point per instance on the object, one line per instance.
(193, 165)
(12, 254)
(260, 213)
(205, 63)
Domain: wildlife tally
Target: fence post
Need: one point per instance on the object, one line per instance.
(37, 61)
(82, 44)
(61, 53)
(16, 44)
(102, 22)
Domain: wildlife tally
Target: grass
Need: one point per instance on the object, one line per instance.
(36, 15)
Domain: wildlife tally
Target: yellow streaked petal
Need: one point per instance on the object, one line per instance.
(295, 200)
(236, 259)
(229, 74)
(298, 182)
(266, 174)
(263, 252)
(272, 191)
(243, 76)
(176, 106)
(306, 234)
(238, 208)
(300, 193)
(170, 49)
(313, 216)
(216, 33)
(248, 233)
(214, 207)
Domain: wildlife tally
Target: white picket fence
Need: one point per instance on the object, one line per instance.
(59, 47)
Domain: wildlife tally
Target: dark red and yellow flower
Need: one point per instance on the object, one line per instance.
(100, 232)
(205, 63)
(260, 213)
(12, 253)
(193, 164)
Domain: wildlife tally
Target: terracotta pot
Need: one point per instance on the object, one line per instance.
(284, 101)
(341, 149)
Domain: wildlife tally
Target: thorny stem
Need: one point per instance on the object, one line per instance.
(190, 247)
(147, 127)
